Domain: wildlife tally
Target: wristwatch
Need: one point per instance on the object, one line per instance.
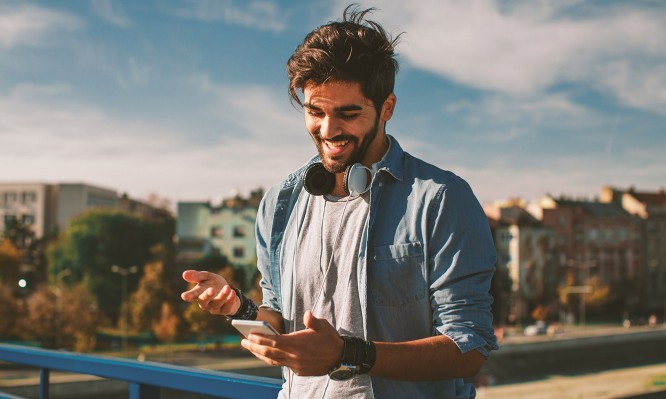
(346, 369)
(358, 357)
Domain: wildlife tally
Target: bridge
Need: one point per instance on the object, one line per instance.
(145, 379)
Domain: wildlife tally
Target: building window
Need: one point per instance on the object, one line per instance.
(239, 231)
(239, 252)
(28, 197)
(10, 219)
(28, 220)
(216, 231)
(10, 198)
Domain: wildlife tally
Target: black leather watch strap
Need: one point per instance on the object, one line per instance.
(358, 352)
(368, 357)
(247, 310)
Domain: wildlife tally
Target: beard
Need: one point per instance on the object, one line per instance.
(341, 164)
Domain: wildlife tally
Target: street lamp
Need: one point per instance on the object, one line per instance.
(583, 288)
(124, 272)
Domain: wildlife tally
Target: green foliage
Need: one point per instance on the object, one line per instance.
(99, 239)
(10, 262)
(10, 313)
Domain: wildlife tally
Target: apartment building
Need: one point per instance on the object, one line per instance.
(48, 208)
(650, 207)
(33, 204)
(526, 262)
(600, 246)
(203, 229)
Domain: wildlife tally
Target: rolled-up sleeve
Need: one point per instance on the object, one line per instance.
(462, 263)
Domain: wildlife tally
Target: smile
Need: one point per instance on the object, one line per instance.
(336, 143)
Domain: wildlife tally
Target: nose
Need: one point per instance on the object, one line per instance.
(329, 128)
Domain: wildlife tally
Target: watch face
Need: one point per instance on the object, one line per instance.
(342, 373)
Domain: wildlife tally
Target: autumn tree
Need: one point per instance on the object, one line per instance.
(62, 317)
(10, 263)
(10, 313)
(99, 239)
(31, 250)
(166, 326)
(147, 302)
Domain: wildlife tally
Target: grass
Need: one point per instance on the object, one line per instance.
(658, 380)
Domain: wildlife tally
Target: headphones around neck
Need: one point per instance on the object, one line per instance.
(319, 181)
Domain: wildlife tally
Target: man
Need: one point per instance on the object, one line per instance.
(377, 276)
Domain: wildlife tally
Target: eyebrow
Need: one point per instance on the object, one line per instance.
(342, 108)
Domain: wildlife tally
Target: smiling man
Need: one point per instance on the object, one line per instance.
(376, 266)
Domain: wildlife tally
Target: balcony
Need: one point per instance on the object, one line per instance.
(145, 379)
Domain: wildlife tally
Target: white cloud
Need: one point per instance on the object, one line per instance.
(502, 118)
(111, 12)
(48, 136)
(529, 47)
(256, 14)
(258, 112)
(23, 24)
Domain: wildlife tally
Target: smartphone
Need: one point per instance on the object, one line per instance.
(246, 327)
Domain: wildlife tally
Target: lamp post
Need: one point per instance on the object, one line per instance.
(124, 272)
(583, 288)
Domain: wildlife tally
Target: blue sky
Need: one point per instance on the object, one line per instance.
(188, 99)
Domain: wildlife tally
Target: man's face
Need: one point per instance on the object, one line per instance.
(343, 124)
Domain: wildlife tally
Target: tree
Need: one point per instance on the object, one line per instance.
(10, 263)
(10, 313)
(99, 239)
(19, 233)
(147, 301)
(30, 249)
(62, 317)
(166, 326)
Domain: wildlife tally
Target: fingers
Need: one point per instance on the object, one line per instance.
(203, 281)
(211, 292)
(194, 276)
(266, 349)
(221, 302)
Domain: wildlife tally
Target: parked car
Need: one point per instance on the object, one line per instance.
(538, 328)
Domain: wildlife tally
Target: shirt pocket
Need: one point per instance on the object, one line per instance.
(395, 274)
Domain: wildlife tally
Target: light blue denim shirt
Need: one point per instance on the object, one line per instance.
(424, 267)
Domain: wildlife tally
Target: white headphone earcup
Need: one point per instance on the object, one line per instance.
(357, 179)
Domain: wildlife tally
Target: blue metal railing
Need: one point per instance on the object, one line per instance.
(144, 378)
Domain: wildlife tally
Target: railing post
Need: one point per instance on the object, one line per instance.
(142, 391)
(44, 383)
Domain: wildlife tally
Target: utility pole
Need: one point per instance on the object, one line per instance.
(124, 272)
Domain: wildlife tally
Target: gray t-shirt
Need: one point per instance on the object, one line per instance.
(326, 283)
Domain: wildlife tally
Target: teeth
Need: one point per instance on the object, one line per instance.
(337, 143)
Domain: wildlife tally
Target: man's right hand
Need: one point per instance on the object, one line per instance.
(212, 293)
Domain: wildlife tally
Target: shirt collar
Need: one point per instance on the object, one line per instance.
(392, 161)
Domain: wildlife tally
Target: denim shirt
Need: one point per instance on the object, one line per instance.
(424, 266)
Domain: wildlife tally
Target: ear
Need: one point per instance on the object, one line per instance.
(388, 107)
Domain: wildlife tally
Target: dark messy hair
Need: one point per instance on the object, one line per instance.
(351, 50)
